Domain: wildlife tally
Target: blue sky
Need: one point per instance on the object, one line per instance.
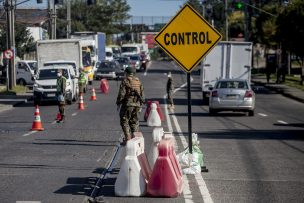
(138, 7)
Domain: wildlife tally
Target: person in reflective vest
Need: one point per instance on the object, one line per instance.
(129, 100)
(82, 81)
(61, 85)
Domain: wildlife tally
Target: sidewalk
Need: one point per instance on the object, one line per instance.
(283, 89)
(9, 101)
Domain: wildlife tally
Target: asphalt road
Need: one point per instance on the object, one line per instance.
(250, 159)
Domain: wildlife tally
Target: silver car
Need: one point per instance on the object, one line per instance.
(232, 95)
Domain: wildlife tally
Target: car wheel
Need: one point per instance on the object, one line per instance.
(21, 82)
(69, 102)
(212, 112)
(37, 102)
(251, 113)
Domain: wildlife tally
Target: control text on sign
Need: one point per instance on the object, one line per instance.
(187, 38)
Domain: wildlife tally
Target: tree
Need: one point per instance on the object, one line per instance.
(106, 16)
(24, 42)
(290, 30)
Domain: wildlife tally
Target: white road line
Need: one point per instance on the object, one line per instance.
(201, 183)
(29, 133)
(145, 73)
(74, 114)
(186, 190)
(54, 122)
(261, 114)
(28, 201)
(282, 122)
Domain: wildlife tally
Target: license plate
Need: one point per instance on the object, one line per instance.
(231, 96)
(51, 95)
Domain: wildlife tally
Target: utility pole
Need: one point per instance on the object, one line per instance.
(10, 18)
(68, 18)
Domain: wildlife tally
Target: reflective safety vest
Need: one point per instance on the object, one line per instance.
(82, 78)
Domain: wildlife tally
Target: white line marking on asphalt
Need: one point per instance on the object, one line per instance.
(261, 114)
(74, 114)
(186, 190)
(282, 122)
(54, 122)
(145, 73)
(29, 133)
(201, 183)
(28, 201)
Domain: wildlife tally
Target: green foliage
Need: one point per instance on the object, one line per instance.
(24, 43)
(106, 16)
(290, 27)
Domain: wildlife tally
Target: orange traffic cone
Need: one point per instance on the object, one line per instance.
(58, 116)
(81, 104)
(37, 122)
(93, 97)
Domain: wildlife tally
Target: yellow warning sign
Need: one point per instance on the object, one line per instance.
(187, 38)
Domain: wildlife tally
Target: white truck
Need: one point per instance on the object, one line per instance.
(227, 60)
(25, 72)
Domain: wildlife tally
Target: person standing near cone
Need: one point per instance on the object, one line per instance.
(61, 85)
(129, 100)
(82, 80)
(170, 89)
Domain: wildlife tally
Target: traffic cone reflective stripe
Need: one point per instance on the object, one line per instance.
(93, 97)
(81, 104)
(37, 121)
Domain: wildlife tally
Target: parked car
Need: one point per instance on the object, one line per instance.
(136, 61)
(123, 61)
(45, 84)
(109, 69)
(25, 71)
(232, 95)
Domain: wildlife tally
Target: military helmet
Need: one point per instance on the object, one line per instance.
(129, 70)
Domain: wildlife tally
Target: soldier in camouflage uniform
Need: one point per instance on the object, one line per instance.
(130, 99)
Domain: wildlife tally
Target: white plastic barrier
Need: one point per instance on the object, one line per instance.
(153, 118)
(131, 180)
(157, 135)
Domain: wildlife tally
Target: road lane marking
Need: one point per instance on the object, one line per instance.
(282, 122)
(74, 114)
(200, 181)
(28, 201)
(186, 190)
(29, 133)
(261, 114)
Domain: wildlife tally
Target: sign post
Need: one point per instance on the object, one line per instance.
(187, 38)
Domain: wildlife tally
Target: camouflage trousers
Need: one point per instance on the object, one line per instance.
(129, 120)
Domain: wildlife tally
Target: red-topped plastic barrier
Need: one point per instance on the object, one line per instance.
(159, 111)
(148, 109)
(166, 178)
(104, 86)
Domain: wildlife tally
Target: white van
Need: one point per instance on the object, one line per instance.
(109, 54)
(45, 84)
(25, 71)
(130, 49)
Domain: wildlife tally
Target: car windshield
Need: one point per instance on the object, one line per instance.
(232, 84)
(33, 65)
(135, 58)
(123, 60)
(47, 74)
(105, 65)
(128, 49)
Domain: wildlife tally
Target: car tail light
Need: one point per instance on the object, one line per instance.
(248, 93)
(214, 94)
